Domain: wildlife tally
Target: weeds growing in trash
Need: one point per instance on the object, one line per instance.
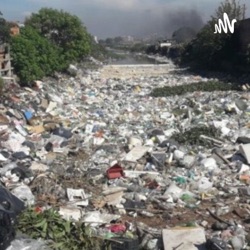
(192, 135)
(58, 232)
(209, 86)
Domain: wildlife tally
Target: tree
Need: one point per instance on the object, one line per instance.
(98, 50)
(213, 51)
(118, 40)
(63, 30)
(151, 49)
(34, 56)
(138, 47)
(109, 41)
(25, 60)
(4, 30)
(232, 8)
(184, 34)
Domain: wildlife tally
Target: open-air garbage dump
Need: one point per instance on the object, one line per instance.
(91, 161)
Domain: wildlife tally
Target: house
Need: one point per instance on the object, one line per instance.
(166, 43)
(14, 29)
(6, 71)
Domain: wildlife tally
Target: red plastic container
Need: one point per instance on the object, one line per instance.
(115, 171)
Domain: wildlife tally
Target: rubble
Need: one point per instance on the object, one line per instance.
(102, 151)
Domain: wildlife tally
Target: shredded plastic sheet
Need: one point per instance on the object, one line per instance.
(23, 243)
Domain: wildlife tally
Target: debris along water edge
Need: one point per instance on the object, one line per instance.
(98, 161)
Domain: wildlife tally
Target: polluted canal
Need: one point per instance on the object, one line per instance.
(140, 156)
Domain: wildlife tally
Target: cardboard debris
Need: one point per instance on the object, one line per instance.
(136, 153)
(77, 197)
(244, 149)
(36, 129)
(113, 195)
(184, 238)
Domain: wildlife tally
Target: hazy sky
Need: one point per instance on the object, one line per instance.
(108, 18)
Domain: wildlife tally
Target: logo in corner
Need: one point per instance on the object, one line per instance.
(225, 25)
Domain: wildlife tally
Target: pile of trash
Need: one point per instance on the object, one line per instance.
(139, 172)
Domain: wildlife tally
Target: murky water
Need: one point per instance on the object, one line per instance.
(132, 59)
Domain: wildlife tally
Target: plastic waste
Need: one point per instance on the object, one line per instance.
(204, 184)
(24, 193)
(7, 231)
(10, 203)
(216, 244)
(24, 243)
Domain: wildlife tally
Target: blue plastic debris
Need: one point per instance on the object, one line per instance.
(28, 115)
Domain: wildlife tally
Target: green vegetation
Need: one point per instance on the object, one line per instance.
(59, 233)
(63, 30)
(4, 30)
(207, 50)
(248, 55)
(50, 41)
(138, 47)
(98, 51)
(192, 135)
(34, 56)
(184, 34)
(215, 51)
(200, 86)
(113, 42)
(122, 43)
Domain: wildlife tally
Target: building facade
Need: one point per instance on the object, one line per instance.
(6, 71)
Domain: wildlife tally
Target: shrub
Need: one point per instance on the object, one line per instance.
(60, 234)
(215, 51)
(49, 42)
(34, 56)
(64, 30)
(192, 135)
(200, 86)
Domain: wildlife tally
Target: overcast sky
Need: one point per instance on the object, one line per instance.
(109, 18)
